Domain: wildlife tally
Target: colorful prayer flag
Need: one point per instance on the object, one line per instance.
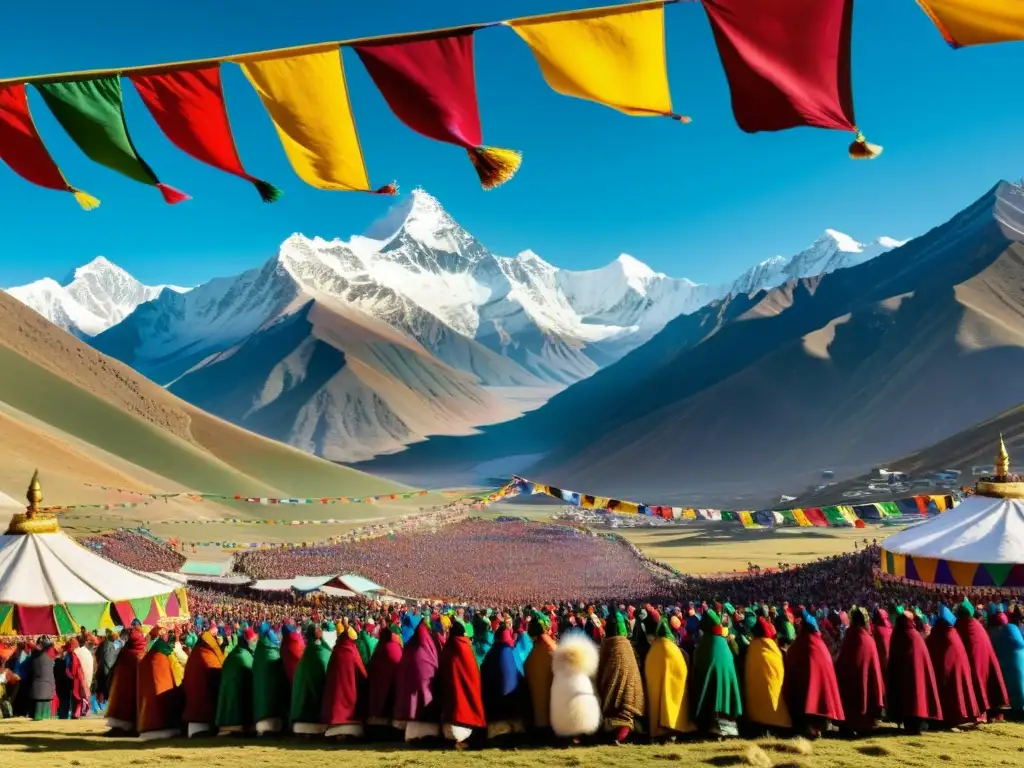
(430, 85)
(189, 107)
(22, 148)
(306, 97)
(788, 64)
(976, 22)
(92, 114)
(614, 56)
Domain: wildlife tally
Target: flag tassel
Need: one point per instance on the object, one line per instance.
(860, 149)
(387, 189)
(171, 195)
(493, 165)
(268, 192)
(84, 199)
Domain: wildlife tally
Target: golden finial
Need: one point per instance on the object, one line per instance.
(1002, 459)
(35, 519)
(34, 495)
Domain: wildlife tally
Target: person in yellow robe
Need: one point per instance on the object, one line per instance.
(665, 674)
(765, 709)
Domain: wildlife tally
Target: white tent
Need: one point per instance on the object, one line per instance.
(52, 568)
(980, 543)
(979, 530)
(50, 583)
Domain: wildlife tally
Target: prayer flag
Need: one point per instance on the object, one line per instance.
(430, 85)
(976, 22)
(306, 97)
(788, 64)
(22, 148)
(92, 114)
(614, 56)
(189, 107)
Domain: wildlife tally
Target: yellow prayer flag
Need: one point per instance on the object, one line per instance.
(306, 97)
(975, 22)
(614, 56)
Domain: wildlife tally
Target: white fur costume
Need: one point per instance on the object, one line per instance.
(575, 709)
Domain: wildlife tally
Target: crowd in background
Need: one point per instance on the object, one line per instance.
(476, 561)
(135, 550)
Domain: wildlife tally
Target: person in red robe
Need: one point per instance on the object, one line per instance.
(458, 675)
(809, 686)
(986, 675)
(202, 684)
(78, 689)
(345, 690)
(381, 672)
(122, 712)
(952, 671)
(881, 631)
(911, 689)
(292, 647)
(859, 674)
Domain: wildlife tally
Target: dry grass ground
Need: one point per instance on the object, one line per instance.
(724, 547)
(57, 744)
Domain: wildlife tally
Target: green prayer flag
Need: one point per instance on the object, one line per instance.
(65, 626)
(92, 113)
(141, 606)
(87, 615)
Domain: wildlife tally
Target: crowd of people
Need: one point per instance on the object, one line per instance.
(135, 550)
(476, 561)
(590, 673)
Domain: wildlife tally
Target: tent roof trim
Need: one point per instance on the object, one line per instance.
(980, 530)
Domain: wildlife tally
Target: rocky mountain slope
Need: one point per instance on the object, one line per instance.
(82, 419)
(757, 394)
(353, 349)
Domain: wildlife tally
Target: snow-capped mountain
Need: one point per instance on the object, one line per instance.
(832, 251)
(355, 348)
(91, 299)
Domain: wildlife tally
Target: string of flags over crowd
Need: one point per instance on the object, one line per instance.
(787, 63)
(838, 516)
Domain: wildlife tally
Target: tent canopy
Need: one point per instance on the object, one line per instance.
(52, 569)
(981, 530)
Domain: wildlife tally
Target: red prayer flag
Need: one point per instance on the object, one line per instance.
(22, 148)
(430, 85)
(788, 64)
(189, 107)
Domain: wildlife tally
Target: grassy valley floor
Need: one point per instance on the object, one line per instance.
(80, 744)
(727, 547)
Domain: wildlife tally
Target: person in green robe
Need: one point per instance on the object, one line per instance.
(271, 692)
(716, 686)
(308, 686)
(235, 699)
(366, 643)
(483, 637)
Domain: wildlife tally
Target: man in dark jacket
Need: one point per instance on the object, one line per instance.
(41, 683)
(106, 655)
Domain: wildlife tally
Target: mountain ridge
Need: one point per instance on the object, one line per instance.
(496, 336)
(757, 392)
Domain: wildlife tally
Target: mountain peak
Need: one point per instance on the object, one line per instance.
(99, 266)
(843, 241)
(632, 267)
(422, 217)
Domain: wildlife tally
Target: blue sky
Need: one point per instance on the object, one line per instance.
(703, 200)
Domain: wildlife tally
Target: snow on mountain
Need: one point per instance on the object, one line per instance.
(355, 348)
(833, 250)
(91, 299)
